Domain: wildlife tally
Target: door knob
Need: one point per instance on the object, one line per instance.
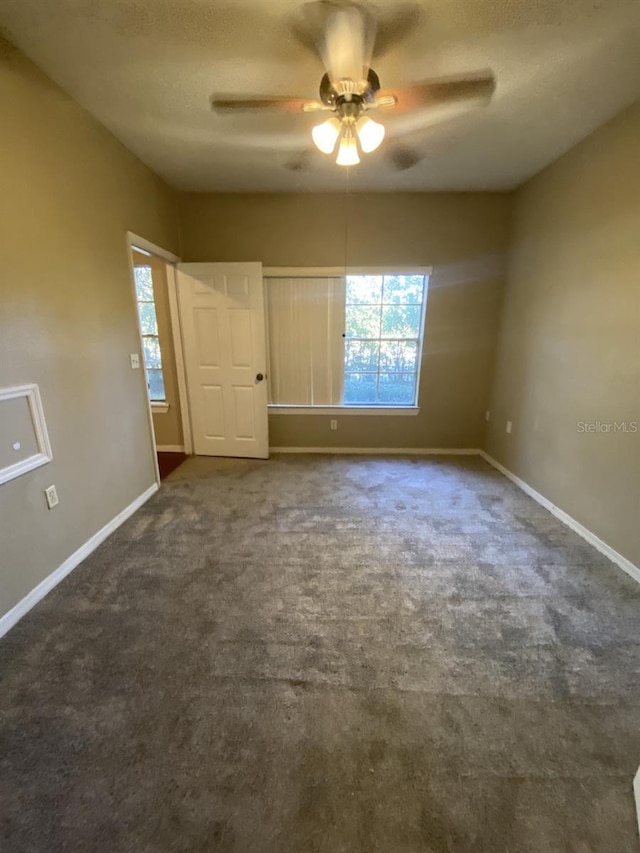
(259, 377)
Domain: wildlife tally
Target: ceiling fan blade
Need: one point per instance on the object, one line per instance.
(348, 43)
(443, 91)
(231, 103)
(342, 33)
(395, 25)
(385, 102)
(402, 157)
(299, 162)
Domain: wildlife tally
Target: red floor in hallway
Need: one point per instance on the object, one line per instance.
(168, 462)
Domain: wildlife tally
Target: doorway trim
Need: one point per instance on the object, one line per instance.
(136, 241)
(178, 351)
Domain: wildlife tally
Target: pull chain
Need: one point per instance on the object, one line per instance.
(346, 220)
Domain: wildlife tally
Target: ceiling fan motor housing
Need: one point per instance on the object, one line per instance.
(346, 91)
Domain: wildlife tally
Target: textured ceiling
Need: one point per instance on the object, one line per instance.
(146, 69)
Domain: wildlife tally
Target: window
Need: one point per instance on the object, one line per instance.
(382, 339)
(351, 341)
(149, 332)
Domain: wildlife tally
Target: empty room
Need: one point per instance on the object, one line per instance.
(319, 426)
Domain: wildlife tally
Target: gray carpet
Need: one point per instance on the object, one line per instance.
(327, 654)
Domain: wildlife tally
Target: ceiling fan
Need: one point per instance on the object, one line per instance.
(347, 35)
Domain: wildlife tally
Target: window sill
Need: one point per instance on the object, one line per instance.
(159, 407)
(402, 411)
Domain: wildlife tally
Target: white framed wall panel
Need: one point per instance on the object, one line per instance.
(23, 432)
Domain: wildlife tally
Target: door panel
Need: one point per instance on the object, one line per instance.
(244, 413)
(207, 337)
(241, 343)
(223, 331)
(213, 401)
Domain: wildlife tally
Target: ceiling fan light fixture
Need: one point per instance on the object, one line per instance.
(326, 135)
(370, 133)
(348, 150)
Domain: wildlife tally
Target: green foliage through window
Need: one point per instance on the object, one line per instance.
(382, 340)
(149, 330)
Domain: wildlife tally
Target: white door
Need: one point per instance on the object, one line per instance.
(223, 335)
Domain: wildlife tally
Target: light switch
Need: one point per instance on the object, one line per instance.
(509, 426)
(135, 361)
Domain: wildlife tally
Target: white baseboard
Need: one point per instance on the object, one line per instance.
(636, 794)
(170, 448)
(620, 561)
(380, 451)
(38, 593)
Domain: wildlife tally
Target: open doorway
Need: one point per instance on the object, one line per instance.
(152, 277)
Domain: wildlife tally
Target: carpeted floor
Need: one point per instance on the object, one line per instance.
(331, 654)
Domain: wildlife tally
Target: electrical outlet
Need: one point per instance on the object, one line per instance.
(135, 361)
(51, 495)
(509, 426)
(487, 415)
(334, 424)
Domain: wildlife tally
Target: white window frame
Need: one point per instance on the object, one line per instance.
(334, 272)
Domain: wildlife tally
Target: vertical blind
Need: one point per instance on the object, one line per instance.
(306, 322)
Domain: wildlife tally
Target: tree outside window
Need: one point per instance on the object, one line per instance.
(382, 338)
(149, 331)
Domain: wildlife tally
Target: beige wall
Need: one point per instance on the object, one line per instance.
(570, 335)
(167, 426)
(68, 192)
(463, 236)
